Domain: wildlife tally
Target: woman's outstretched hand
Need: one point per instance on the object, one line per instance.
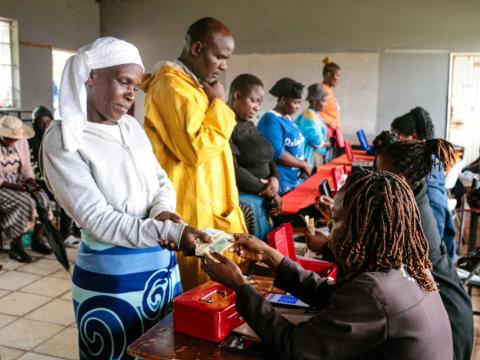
(251, 248)
(223, 270)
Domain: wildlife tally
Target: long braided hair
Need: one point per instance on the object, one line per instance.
(416, 159)
(382, 229)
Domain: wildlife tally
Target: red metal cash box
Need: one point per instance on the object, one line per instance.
(281, 239)
(207, 311)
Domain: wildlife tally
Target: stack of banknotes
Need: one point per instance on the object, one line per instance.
(221, 241)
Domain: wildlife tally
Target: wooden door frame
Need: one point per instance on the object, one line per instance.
(450, 84)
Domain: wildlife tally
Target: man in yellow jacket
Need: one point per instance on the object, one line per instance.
(189, 125)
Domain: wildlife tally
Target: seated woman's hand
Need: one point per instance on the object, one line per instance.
(223, 270)
(324, 205)
(18, 187)
(249, 247)
(315, 242)
(167, 215)
(31, 181)
(32, 187)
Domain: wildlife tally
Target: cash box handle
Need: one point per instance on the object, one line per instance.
(208, 298)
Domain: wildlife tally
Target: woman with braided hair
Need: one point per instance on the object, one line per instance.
(414, 160)
(417, 125)
(386, 306)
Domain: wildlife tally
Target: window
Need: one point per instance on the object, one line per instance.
(59, 58)
(10, 84)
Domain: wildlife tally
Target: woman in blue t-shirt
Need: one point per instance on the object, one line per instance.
(279, 128)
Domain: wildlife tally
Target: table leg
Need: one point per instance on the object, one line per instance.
(472, 242)
(462, 225)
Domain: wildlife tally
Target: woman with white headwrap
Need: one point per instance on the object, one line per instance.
(101, 168)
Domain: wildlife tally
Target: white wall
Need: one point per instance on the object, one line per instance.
(409, 79)
(431, 28)
(357, 92)
(322, 26)
(65, 24)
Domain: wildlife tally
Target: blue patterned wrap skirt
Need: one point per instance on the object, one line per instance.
(119, 293)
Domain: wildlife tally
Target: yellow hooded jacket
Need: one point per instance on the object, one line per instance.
(190, 137)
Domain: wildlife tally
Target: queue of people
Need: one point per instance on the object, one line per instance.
(142, 196)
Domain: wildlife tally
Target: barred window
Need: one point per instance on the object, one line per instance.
(9, 73)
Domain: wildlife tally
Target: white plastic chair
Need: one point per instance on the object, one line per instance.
(453, 174)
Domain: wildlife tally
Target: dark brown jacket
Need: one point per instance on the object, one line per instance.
(453, 295)
(374, 315)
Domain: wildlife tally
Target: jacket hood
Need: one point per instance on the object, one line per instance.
(164, 68)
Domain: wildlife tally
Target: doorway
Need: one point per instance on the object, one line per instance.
(59, 58)
(463, 126)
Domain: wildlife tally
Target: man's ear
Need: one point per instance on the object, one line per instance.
(196, 48)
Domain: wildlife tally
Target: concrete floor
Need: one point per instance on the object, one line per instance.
(36, 311)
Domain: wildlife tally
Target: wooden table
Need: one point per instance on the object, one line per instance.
(161, 342)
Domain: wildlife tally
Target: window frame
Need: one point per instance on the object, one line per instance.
(14, 64)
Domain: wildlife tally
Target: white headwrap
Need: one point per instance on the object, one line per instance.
(102, 53)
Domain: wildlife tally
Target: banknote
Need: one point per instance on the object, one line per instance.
(221, 241)
(310, 223)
